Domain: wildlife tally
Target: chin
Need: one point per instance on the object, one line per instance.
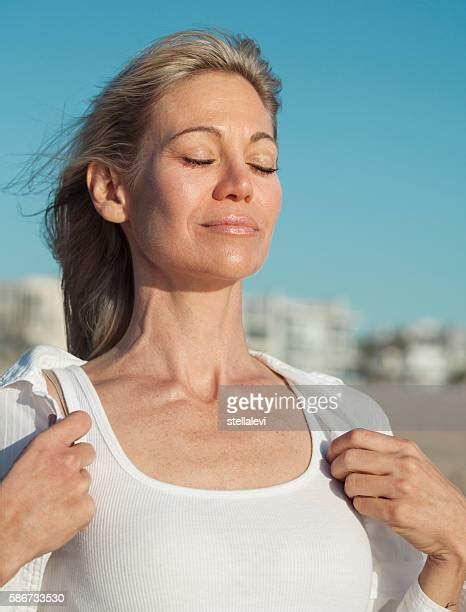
(227, 272)
(235, 271)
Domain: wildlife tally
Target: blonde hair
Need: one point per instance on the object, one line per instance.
(94, 255)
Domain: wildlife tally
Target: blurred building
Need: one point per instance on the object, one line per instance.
(309, 334)
(312, 335)
(425, 352)
(31, 312)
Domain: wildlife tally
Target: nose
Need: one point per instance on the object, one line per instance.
(234, 183)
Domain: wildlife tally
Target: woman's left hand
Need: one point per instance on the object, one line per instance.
(390, 479)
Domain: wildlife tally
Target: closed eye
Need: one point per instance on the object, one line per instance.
(203, 162)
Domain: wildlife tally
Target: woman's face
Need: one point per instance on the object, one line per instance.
(175, 198)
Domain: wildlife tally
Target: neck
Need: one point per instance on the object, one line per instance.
(193, 337)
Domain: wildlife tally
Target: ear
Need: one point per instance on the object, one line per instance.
(107, 192)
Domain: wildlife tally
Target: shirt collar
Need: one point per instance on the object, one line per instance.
(29, 365)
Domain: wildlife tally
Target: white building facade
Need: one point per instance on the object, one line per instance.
(312, 335)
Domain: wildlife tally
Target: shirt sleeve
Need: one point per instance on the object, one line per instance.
(396, 568)
(23, 415)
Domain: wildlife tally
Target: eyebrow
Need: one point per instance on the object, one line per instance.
(213, 130)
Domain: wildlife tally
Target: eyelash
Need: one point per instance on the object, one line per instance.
(205, 162)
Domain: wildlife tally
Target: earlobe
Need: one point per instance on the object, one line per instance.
(112, 212)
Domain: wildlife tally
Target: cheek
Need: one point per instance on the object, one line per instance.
(163, 209)
(274, 198)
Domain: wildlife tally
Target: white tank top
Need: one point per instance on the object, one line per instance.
(155, 546)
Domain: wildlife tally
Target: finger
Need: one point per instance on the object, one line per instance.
(369, 485)
(70, 428)
(86, 453)
(377, 508)
(363, 461)
(364, 438)
(86, 477)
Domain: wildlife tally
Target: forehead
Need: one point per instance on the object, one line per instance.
(222, 99)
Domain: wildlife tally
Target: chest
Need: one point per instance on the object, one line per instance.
(180, 443)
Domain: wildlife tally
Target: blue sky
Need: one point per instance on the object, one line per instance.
(372, 136)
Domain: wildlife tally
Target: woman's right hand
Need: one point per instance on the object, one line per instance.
(44, 499)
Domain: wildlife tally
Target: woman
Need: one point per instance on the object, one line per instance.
(169, 199)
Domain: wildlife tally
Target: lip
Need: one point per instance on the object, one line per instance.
(235, 220)
(239, 230)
